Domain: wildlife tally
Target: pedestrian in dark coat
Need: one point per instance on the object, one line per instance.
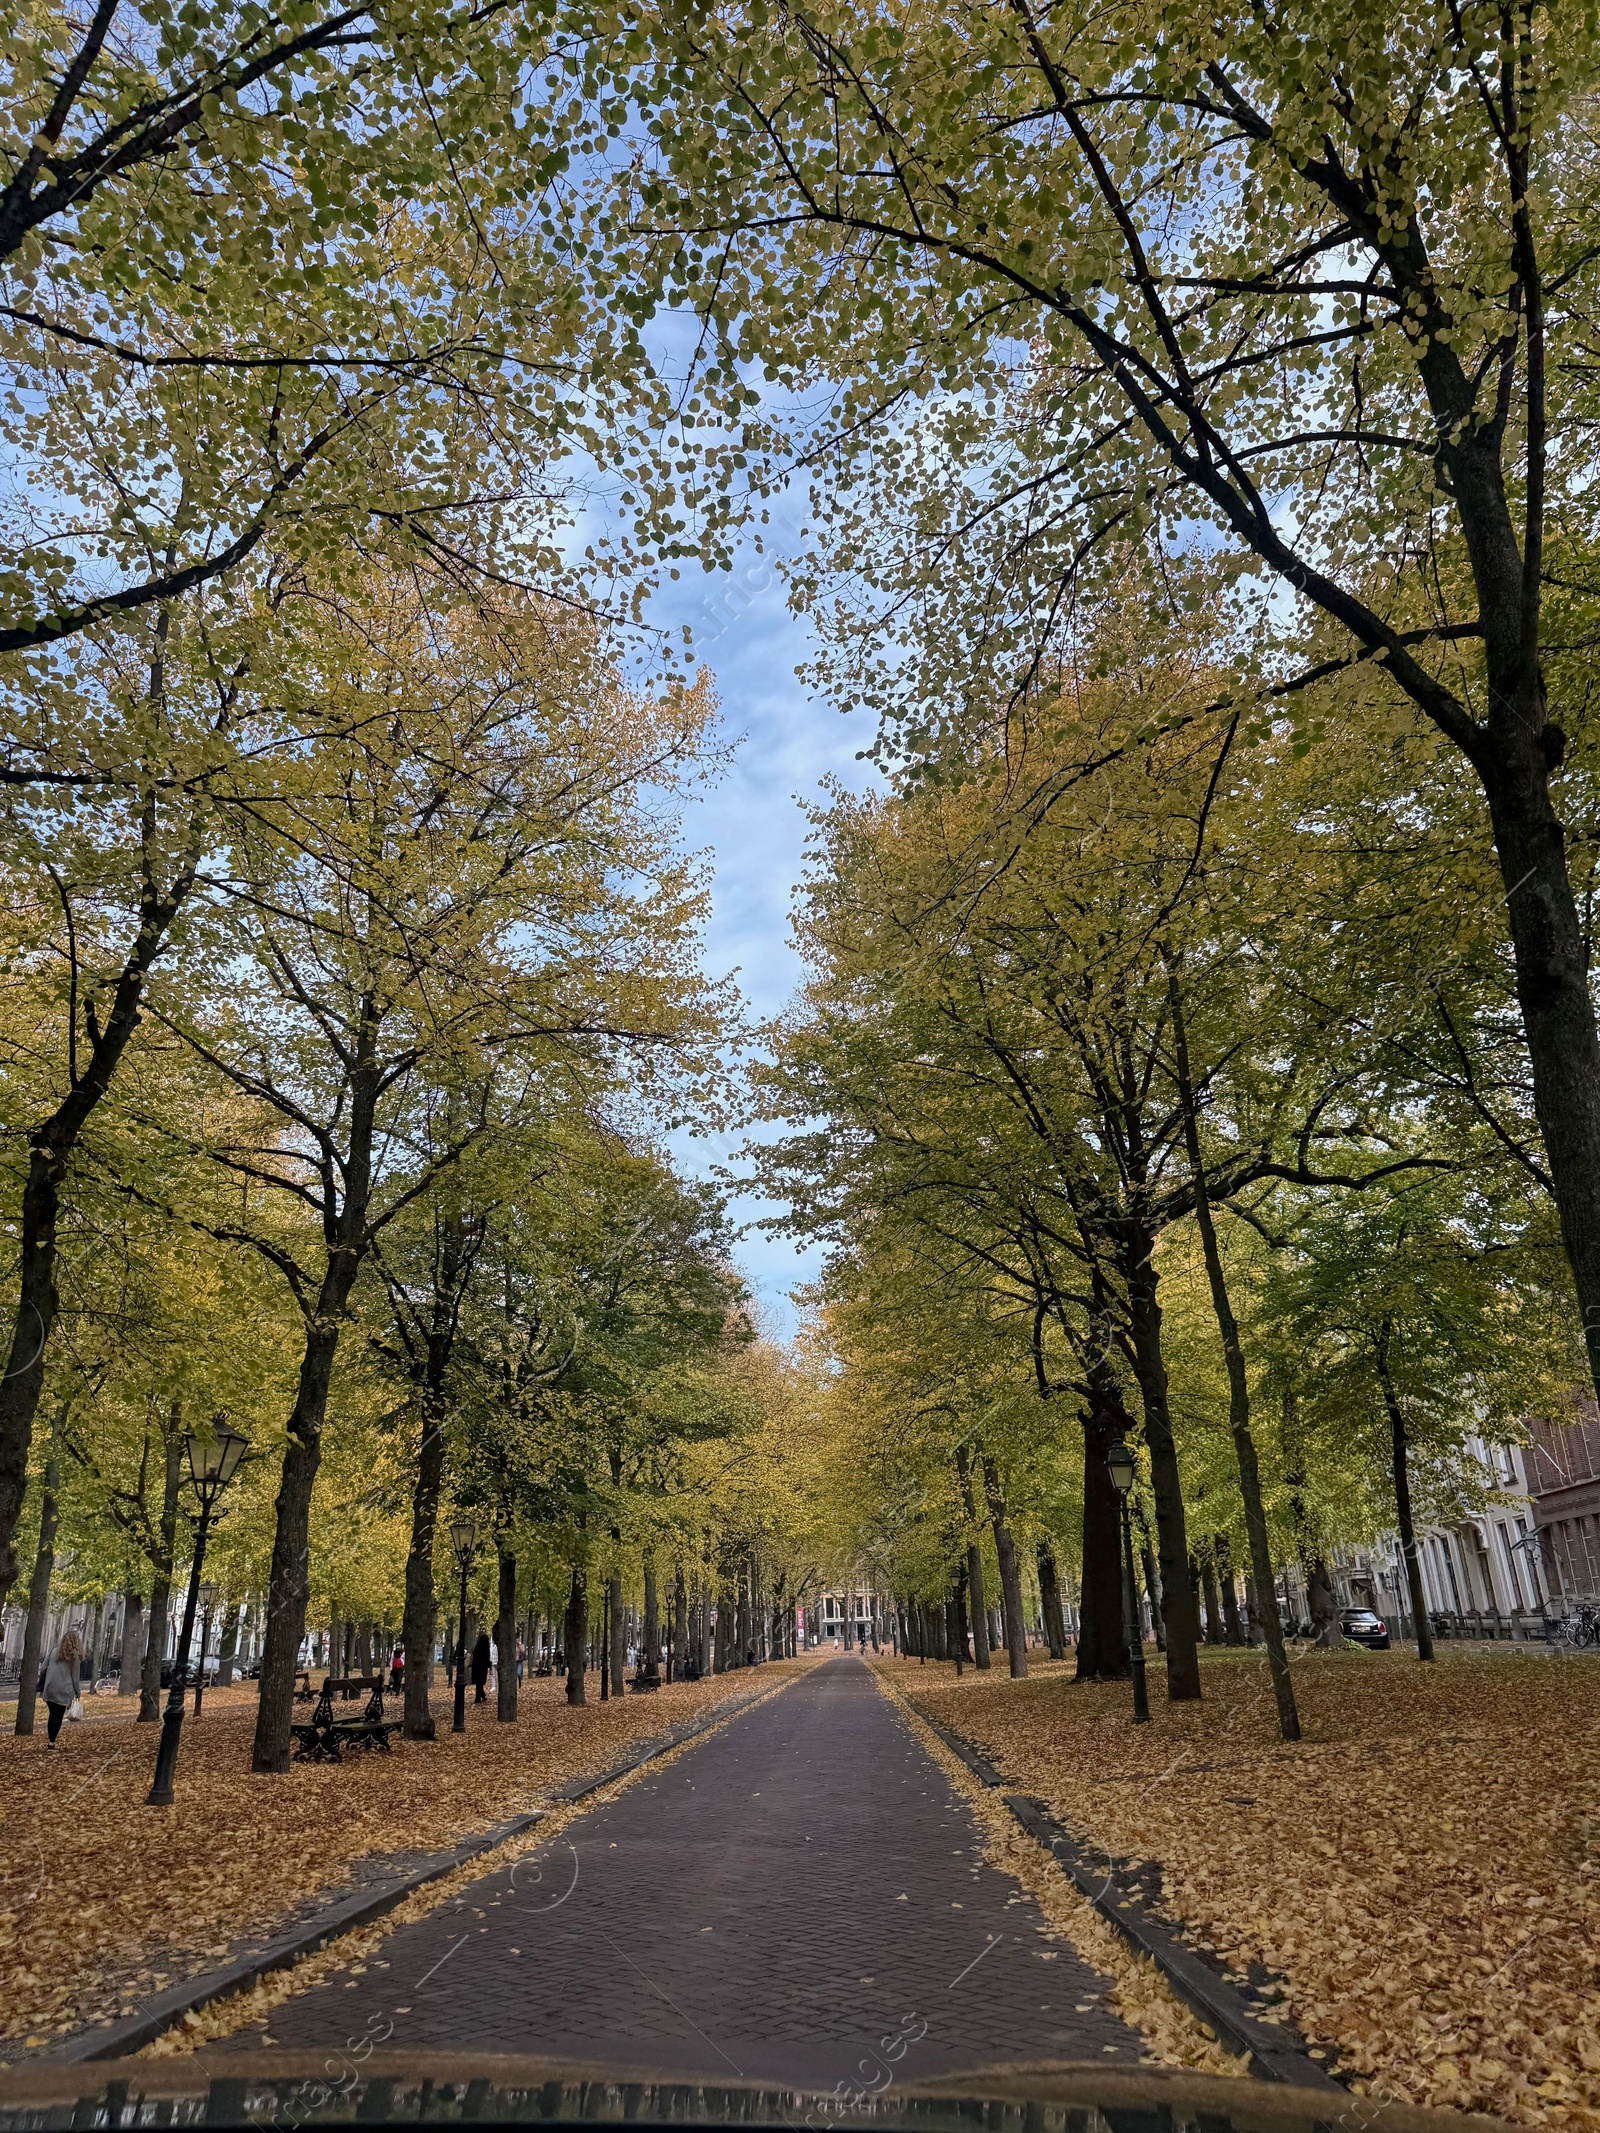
(58, 1684)
(480, 1665)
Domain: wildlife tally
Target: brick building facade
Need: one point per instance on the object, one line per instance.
(1562, 1460)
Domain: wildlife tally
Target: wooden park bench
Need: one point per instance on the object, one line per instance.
(323, 1737)
(303, 1691)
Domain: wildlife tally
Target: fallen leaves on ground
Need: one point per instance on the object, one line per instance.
(1421, 1872)
(1139, 1994)
(104, 1901)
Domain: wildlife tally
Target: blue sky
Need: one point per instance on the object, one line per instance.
(751, 825)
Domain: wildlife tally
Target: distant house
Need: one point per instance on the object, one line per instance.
(1492, 1563)
(1563, 1467)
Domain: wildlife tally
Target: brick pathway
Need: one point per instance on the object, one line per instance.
(777, 1903)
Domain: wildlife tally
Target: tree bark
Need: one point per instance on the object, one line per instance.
(617, 1628)
(1244, 1444)
(289, 1583)
(1152, 1581)
(650, 1667)
(575, 1632)
(961, 1615)
(39, 1592)
(419, 1622)
(979, 1606)
(1399, 1454)
(230, 1645)
(161, 1584)
(1208, 1585)
(132, 1640)
(505, 1633)
(1178, 1609)
(1552, 972)
(1005, 1549)
(1230, 1592)
(1102, 1647)
(1055, 1626)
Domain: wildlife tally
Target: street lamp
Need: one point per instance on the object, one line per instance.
(208, 1600)
(1119, 1461)
(463, 1538)
(213, 1460)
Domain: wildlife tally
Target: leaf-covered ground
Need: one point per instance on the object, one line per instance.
(104, 1900)
(1422, 1871)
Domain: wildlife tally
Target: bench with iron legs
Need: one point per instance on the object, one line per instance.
(324, 1736)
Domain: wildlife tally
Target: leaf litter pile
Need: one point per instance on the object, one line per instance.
(105, 1901)
(1421, 1873)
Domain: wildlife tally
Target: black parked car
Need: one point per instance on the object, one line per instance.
(1362, 1626)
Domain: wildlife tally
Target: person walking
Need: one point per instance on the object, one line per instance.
(480, 1665)
(397, 1669)
(58, 1684)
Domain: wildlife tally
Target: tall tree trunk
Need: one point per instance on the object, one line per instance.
(348, 1240)
(54, 1140)
(575, 1635)
(419, 1623)
(1152, 1581)
(1005, 1548)
(961, 1614)
(505, 1633)
(1324, 1604)
(1552, 968)
(1102, 1647)
(39, 1588)
(161, 1584)
(1244, 1443)
(1208, 1586)
(1178, 1609)
(680, 1628)
(132, 1640)
(1399, 1453)
(650, 1669)
(1055, 1626)
(618, 1630)
(1230, 1593)
(289, 1586)
(230, 1645)
(979, 1605)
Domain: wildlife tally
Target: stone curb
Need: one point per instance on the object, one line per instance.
(117, 2040)
(1270, 2054)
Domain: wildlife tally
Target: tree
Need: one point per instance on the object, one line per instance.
(1428, 1317)
(1320, 279)
(453, 877)
(266, 281)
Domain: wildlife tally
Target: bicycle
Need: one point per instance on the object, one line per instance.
(1582, 1628)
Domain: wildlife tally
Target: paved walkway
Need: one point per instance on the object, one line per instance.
(784, 1902)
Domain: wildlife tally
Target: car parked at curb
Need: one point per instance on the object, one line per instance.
(1364, 1627)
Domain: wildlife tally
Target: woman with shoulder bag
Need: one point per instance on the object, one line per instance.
(58, 1684)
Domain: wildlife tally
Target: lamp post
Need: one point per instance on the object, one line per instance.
(463, 1538)
(208, 1600)
(1119, 1460)
(213, 1460)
